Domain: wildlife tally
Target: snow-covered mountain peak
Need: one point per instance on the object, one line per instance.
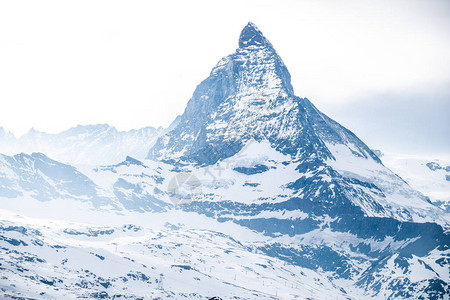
(243, 94)
(249, 95)
(4, 134)
(91, 128)
(252, 36)
(32, 132)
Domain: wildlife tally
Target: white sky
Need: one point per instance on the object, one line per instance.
(136, 63)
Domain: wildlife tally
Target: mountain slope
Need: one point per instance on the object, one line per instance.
(27, 177)
(44, 179)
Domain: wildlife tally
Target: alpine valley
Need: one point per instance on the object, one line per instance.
(252, 193)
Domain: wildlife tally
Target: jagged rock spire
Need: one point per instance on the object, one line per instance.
(252, 36)
(249, 96)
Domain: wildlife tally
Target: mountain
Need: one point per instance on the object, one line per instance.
(39, 177)
(248, 98)
(249, 95)
(279, 166)
(83, 144)
(252, 194)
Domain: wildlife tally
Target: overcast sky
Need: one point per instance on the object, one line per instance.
(381, 68)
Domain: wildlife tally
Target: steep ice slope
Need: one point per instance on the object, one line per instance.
(90, 144)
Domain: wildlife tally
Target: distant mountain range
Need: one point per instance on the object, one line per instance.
(429, 176)
(89, 144)
(252, 193)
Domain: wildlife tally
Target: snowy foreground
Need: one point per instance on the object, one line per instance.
(124, 254)
(92, 254)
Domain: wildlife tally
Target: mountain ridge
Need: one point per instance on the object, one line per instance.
(83, 144)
